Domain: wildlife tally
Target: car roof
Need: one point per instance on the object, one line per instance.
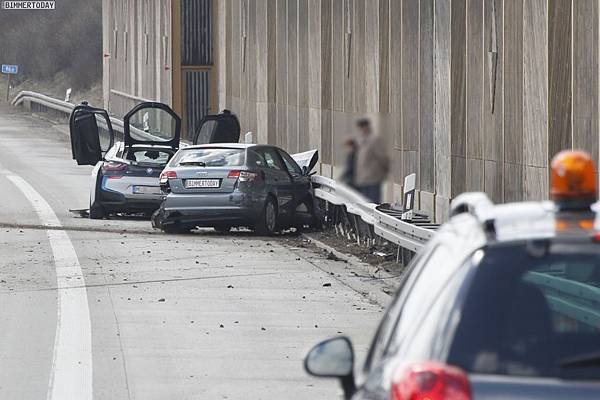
(475, 222)
(222, 145)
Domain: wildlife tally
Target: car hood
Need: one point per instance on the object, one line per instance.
(307, 159)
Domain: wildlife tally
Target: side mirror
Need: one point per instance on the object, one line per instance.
(305, 170)
(333, 358)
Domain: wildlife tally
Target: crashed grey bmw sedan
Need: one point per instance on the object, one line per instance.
(231, 185)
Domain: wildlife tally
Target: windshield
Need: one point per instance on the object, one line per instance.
(532, 310)
(146, 157)
(209, 157)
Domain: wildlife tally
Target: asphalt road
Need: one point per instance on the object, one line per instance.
(115, 310)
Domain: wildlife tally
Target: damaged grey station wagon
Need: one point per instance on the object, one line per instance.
(237, 185)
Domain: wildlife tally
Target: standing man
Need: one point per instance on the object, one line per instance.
(372, 162)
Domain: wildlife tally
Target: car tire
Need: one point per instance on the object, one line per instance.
(267, 222)
(97, 211)
(222, 229)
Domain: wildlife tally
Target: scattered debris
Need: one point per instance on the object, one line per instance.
(81, 212)
(381, 254)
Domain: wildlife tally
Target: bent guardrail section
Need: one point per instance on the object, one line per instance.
(368, 219)
(382, 220)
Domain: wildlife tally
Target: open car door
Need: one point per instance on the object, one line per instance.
(91, 134)
(220, 128)
(306, 160)
(152, 123)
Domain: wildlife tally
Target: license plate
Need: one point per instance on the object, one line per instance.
(202, 183)
(146, 190)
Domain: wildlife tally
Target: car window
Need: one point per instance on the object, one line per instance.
(532, 312)
(209, 157)
(386, 327)
(272, 159)
(156, 157)
(290, 164)
(256, 159)
(432, 278)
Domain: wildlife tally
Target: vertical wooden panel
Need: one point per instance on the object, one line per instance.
(426, 90)
(458, 90)
(442, 104)
(243, 38)
(228, 50)
(326, 84)
(292, 81)
(337, 61)
(410, 85)
(303, 67)
(281, 72)
(314, 54)
(396, 88)
(585, 76)
(292, 52)
(513, 99)
(559, 76)
(474, 99)
(349, 49)
(493, 104)
(314, 74)
(384, 65)
(360, 100)
(235, 48)
(371, 60)
(535, 95)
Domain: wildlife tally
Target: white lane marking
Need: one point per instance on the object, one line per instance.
(71, 375)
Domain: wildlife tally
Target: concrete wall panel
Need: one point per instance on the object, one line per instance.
(535, 95)
(585, 76)
(559, 76)
(426, 99)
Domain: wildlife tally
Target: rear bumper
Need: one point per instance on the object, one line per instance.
(205, 210)
(115, 201)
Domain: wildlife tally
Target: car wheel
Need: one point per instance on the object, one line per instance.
(222, 229)
(97, 211)
(267, 223)
(174, 228)
(308, 213)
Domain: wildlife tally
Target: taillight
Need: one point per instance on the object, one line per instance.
(113, 170)
(113, 166)
(243, 176)
(431, 381)
(166, 175)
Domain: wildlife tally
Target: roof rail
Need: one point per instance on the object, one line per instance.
(474, 203)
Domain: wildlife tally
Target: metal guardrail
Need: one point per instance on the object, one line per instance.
(43, 100)
(383, 221)
(66, 107)
(410, 235)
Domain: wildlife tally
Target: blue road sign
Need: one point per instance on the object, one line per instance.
(10, 69)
